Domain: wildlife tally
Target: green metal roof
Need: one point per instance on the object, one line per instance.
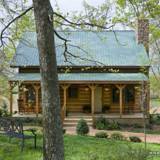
(78, 77)
(106, 48)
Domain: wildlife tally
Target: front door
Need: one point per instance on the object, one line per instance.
(98, 100)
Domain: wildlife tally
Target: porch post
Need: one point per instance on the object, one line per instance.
(11, 97)
(36, 88)
(11, 86)
(65, 87)
(92, 87)
(121, 87)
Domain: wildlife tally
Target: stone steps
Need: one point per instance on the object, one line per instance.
(72, 120)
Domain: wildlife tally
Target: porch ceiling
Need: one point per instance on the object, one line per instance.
(85, 77)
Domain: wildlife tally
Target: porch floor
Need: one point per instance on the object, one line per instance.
(107, 115)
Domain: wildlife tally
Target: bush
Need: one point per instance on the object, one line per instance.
(4, 111)
(31, 121)
(101, 135)
(101, 123)
(117, 136)
(113, 125)
(155, 119)
(135, 139)
(136, 125)
(82, 127)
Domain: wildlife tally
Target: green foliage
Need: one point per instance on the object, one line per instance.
(117, 136)
(136, 125)
(130, 153)
(30, 121)
(79, 148)
(113, 125)
(3, 111)
(82, 127)
(101, 135)
(101, 123)
(154, 86)
(4, 86)
(155, 119)
(135, 139)
(121, 3)
(96, 15)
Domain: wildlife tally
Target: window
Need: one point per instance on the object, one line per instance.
(73, 92)
(115, 95)
(30, 95)
(129, 94)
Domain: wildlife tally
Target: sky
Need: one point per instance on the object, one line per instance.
(75, 5)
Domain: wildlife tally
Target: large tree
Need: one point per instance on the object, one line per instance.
(46, 21)
(52, 126)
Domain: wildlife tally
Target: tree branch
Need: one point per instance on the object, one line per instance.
(13, 20)
(83, 23)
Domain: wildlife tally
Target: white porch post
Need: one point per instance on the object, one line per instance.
(92, 87)
(120, 87)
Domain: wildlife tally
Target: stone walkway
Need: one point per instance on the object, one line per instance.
(151, 138)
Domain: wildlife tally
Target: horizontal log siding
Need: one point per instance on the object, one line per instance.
(107, 99)
(84, 98)
(137, 107)
(115, 108)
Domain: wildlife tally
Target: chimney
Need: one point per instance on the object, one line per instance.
(143, 33)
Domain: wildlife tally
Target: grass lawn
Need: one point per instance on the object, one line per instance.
(76, 148)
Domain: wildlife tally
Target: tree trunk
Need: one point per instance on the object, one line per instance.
(52, 127)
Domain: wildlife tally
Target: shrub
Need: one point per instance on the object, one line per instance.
(82, 127)
(101, 123)
(117, 136)
(136, 125)
(155, 119)
(135, 139)
(113, 125)
(4, 111)
(31, 121)
(101, 135)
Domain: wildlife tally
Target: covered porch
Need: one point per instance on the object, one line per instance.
(108, 94)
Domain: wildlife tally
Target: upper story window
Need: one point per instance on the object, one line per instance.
(73, 92)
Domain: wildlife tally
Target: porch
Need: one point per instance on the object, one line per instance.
(111, 98)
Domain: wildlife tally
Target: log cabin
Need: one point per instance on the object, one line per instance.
(104, 73)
